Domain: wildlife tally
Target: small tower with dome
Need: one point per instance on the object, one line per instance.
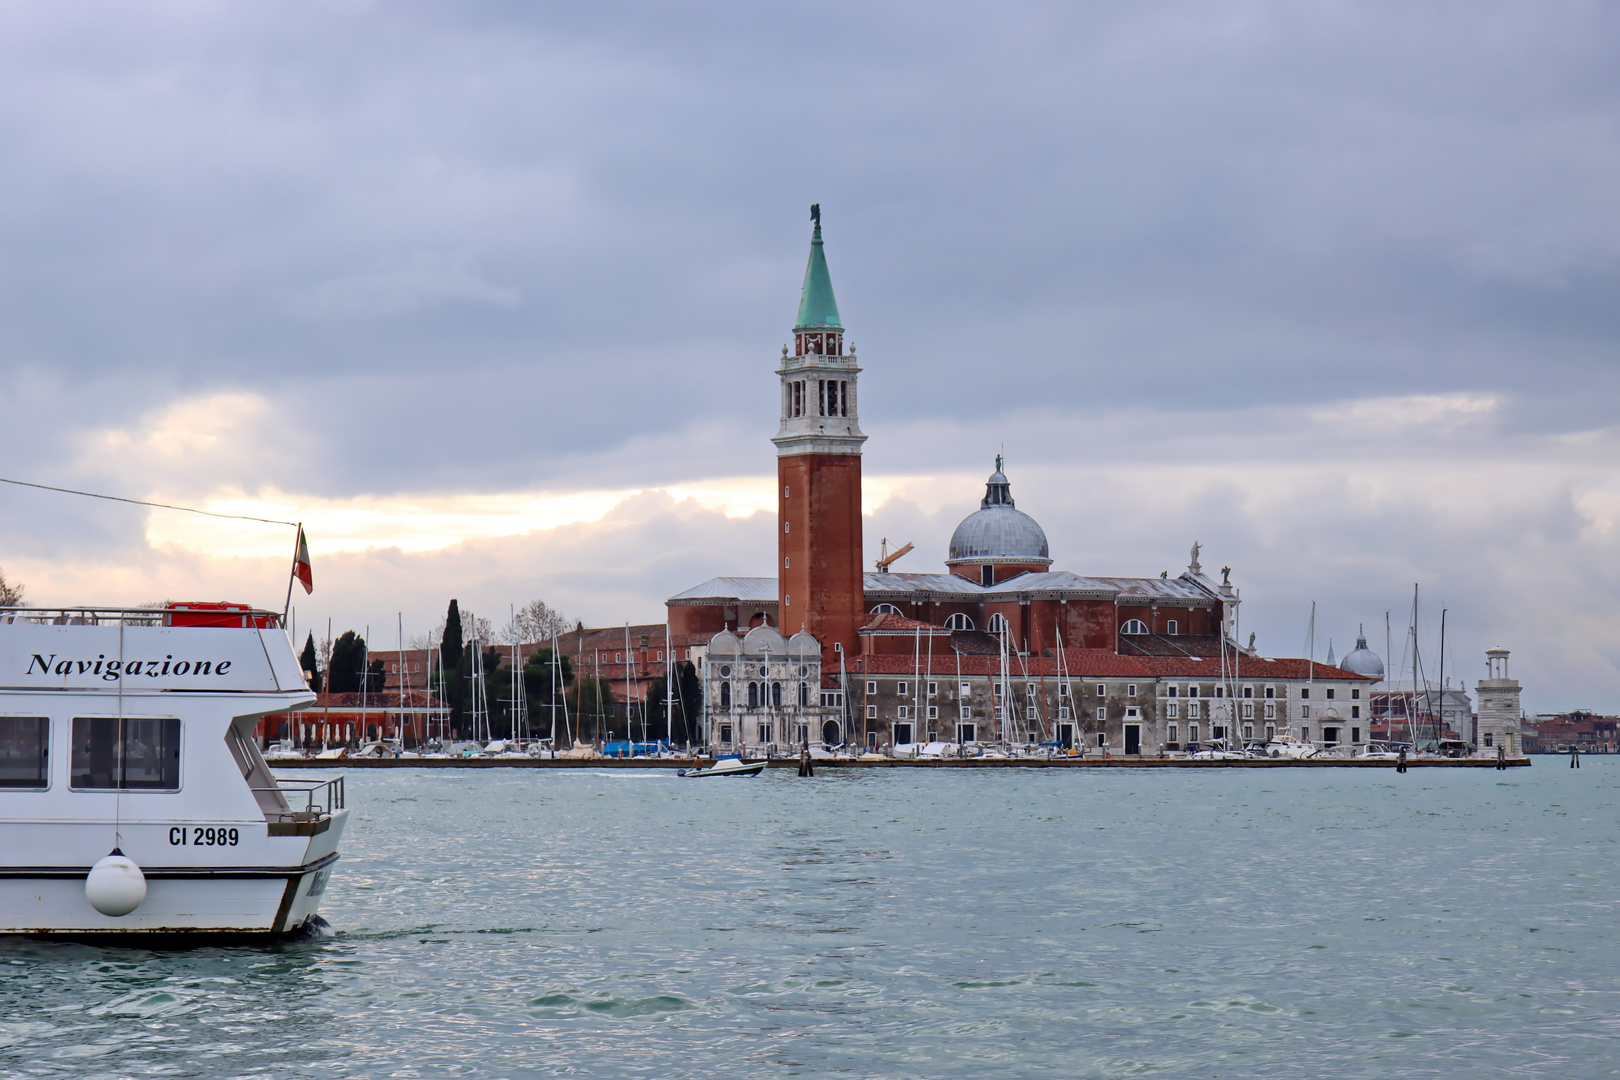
(1499, 706)
(998, 541)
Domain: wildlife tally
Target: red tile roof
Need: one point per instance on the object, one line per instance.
(1102, 663)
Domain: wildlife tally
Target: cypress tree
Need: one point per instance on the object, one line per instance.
(307, 660)
(451, 663)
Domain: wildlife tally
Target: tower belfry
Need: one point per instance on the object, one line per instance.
(818, 467)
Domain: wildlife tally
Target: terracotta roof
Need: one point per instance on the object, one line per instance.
(896, 624)
(1101, 663)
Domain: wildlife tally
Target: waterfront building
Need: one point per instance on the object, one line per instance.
(998, 646)
(1499, 705)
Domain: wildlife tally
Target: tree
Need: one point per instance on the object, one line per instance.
(536, 621)
(538, 684)
(344, 673)
(688, 703)
(310, 665)
(10, 595)
(591, 705)
(450, 672)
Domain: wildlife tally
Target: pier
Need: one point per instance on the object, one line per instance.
(898, 763)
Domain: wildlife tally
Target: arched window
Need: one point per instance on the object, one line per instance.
(753, 695)
(804, 695)
(997, 624)
(1170, 628)
(725, 695)
(1134, 626)
(959, 621)
(776, 695)
(885, 609)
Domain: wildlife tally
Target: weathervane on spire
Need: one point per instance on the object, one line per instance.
(815, 212)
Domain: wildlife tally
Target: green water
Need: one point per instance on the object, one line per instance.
(1089, 923)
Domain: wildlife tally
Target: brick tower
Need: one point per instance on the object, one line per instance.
(818, 470)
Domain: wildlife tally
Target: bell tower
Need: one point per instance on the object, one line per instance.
(818, 470)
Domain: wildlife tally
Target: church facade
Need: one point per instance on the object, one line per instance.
(996, 647)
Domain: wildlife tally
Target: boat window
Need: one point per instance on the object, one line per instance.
(144, 756)
(23, 747)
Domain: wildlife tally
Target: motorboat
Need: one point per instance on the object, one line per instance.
(134, 801)
(1382, 751)
(727, 766)
(283, 750)
(1287, 746)
(1215, 750)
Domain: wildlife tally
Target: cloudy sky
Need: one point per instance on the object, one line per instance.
(489, 295)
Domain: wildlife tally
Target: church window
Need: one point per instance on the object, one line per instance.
(885, 609)
(725, 734)
(998, 623)
(1171, 628)
(843, 398)
(1134, 626)
(753, 695)
(776, 695)
(725, 695)
(987, 575)
(958, 621)
(804, 696)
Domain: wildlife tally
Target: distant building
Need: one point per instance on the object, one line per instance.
(1556, 733)
(997, 647)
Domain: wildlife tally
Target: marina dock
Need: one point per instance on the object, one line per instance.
(897, 763)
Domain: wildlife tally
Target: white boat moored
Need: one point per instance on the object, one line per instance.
(132, 732)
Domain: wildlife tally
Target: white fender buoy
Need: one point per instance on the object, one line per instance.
(116, 885)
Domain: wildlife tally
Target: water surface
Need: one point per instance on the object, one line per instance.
(942, 923)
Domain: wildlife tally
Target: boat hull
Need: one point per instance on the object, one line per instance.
(192, 902)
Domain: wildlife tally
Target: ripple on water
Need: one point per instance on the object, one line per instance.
(930, 924)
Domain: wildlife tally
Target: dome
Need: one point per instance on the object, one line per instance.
(1362, 660)
(998, 531)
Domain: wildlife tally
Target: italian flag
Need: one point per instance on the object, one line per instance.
(301, 568)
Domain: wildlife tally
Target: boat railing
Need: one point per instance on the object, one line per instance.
(138, 616)
(308, 800)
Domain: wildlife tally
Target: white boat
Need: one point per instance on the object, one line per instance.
(283, 750)
(133, 797)
(726, 767)
(1286, 746)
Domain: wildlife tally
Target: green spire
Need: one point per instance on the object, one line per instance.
(817, 305)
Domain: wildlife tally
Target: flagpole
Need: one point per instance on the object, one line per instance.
(298, 535)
